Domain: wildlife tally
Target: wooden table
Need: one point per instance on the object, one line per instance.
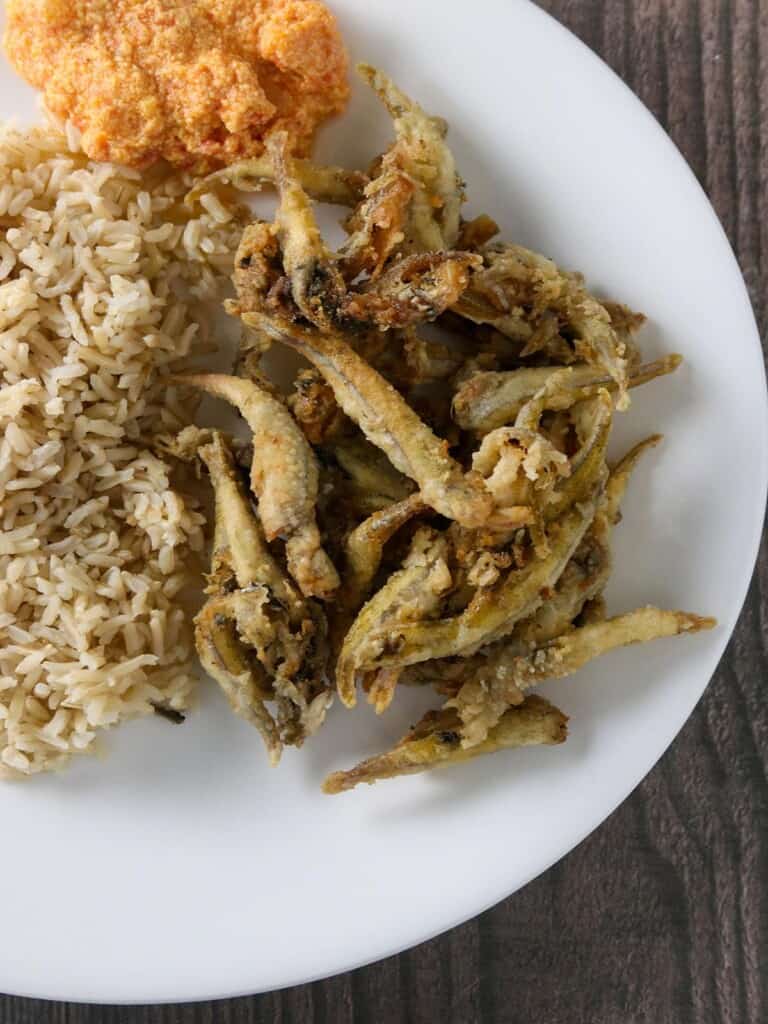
(661, 916)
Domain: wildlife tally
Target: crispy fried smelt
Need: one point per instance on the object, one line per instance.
(493, 398)
(185, 445)
(586, 575)
(220, 632)
(488, 682)
(620, 474)
(376, 226)
(531, 411)
(257, 266)
(220, 579)
(568, 653)
(488, 691)
(292, 657)
(504, 677)
(428, 360)
(389, 422)
(409, 595)
(623, 318)
(256, 635)
(595, 610)
(324, 184)
(582, 580)
(370, 471)
(314, 407)
(588, 464)
(415, 290)
(421, 152)
(520, 466)
(510, 591)
(291, 653)
(381, 689)
(365, 547)
(482, 686)
(284, 476)
(236, 524)
(265, 629)
(518, 289)
(316, 283)
(248, 609)
(222, 656)
(436, 741)
(487, 685)
(493, 612)
(476, 233)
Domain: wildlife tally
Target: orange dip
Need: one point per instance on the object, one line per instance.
(197, 82)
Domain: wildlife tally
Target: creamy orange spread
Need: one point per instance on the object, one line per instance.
(198, 82)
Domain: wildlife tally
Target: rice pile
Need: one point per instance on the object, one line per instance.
(103, 281)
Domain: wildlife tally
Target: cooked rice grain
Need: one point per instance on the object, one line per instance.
(103, 284)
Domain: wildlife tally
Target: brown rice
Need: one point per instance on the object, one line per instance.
(102, 280)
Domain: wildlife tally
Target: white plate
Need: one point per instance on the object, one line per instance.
(181, 867)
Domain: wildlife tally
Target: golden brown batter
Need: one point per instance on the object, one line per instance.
(198, 82)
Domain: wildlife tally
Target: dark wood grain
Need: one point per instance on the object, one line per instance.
(661, 916)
